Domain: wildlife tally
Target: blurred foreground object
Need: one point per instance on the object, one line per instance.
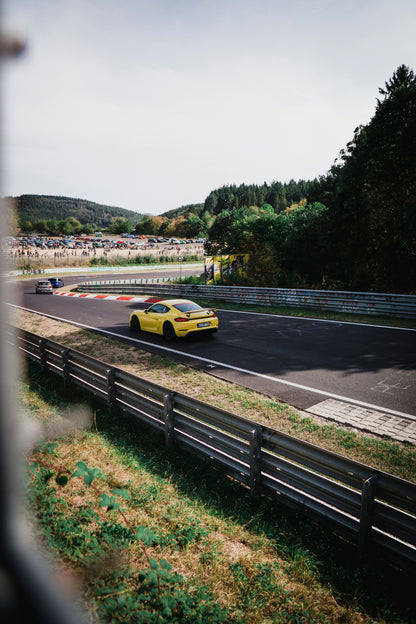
(11, 45)
(28, 590)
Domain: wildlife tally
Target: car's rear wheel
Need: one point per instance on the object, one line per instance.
(135, 324)
(168, 331)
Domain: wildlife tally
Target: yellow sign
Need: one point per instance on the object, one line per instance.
(222, 267)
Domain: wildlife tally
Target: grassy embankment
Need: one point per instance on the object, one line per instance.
(239, 559)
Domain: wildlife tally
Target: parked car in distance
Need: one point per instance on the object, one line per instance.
(44, 287)
(57, 282)
(174, 318)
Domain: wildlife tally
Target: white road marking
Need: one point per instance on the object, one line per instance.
(228, 366)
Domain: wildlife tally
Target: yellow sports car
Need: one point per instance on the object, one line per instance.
(174, 318)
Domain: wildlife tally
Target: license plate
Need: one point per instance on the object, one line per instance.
(204, 324)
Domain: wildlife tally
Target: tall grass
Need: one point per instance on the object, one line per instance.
(138, 259)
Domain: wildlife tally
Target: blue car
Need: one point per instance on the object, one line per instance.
(56, 282)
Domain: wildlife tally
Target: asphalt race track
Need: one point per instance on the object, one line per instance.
(299, 361)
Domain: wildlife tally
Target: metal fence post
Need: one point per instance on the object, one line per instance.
(43, 355)
(367, 501)
(169, 418)
(111, 390)
(65, 367)
(255, 461)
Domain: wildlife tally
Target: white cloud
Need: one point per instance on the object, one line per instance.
(151, 105)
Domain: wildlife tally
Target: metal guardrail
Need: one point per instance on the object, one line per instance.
(373, 509)
(377, 304)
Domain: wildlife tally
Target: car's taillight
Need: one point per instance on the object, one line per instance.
(181, 319)
(214, 315)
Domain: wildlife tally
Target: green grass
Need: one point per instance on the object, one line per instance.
(234, 558)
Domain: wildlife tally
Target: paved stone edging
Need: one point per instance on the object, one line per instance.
(371, 421)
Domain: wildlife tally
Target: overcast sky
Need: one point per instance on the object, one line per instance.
(151, 104)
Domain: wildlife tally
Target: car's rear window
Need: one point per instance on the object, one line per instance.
(187, 307)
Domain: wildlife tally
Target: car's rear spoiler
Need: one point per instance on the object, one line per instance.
(188, 314)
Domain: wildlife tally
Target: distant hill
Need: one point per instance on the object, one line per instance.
(183, 211)
(36, 207)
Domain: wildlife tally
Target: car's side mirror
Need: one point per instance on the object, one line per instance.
(146, 311)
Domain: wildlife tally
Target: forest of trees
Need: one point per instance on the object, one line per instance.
(195, 220)
(370, 197)
(357, 228)
(352, 229)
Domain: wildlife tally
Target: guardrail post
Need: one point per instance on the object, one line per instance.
(255, 461)
(65, 367)
(367, 501)
(169, 418)
(43, 355)
(111, 390)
